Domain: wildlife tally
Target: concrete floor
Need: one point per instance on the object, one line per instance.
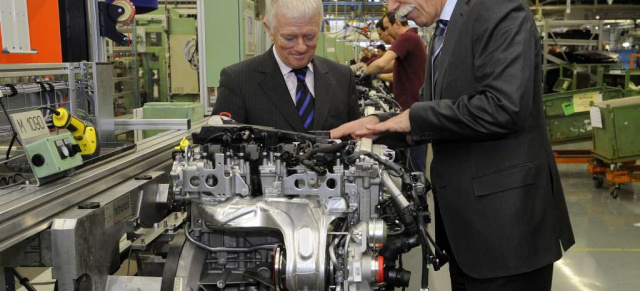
(606, 255)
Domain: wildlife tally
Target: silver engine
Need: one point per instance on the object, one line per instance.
(274, 210)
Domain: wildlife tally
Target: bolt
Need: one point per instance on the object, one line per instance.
(175, 216)
(166, 224)
(155, 225)
(142, 240)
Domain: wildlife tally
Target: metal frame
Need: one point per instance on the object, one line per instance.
(28, 70)
(202, 59)
(545, 27)
(27, 211)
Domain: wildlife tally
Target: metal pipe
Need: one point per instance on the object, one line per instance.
(96, 43)
(396, 194)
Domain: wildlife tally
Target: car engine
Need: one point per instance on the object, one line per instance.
(278, 210)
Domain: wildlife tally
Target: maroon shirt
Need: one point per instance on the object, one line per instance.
(364, 59)
(408, 70)
(371, 60)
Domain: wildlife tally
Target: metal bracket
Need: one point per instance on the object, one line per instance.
(14, 22)
(171, 222)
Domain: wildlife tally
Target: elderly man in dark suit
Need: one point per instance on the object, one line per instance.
(501, 214)
(288, 87)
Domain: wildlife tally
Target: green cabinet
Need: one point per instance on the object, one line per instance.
(618, 137)
(567, 113)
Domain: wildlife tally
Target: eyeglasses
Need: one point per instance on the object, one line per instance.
(385, 2)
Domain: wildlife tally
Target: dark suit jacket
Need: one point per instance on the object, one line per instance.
(254, 92)
(494, 175)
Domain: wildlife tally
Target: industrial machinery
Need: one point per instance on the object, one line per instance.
(276, 210)
(375, 97)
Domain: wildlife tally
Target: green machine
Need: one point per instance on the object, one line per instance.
(340, 47)
(567, 113)
(47, 154)
(171, 110)
(153, 49)
(628, 80)
(53, 154)
(156, 69)
(320, 50)
(349, 50)
(330, 47)
(231, 31)
(616, 128)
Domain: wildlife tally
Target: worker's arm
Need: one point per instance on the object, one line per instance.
(381, 64)
(388, 68)
(386, 77)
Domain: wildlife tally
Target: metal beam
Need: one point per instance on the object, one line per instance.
(152, 124)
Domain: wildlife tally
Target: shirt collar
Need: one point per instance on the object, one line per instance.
(447, 10)
(283, 67)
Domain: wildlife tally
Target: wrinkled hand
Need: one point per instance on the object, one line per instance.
(399, 123)
(351, 127)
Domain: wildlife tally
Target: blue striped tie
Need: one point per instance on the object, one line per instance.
(305, 103)
(438, 41)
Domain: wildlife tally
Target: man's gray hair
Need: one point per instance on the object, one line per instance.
(294, 9)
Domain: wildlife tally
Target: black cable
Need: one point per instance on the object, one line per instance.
(24, 281)
(13, 139)
(7, 115)
(55, 111)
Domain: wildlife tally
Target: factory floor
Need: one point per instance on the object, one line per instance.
(606, 255)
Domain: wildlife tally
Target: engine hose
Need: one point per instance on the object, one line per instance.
(410, 223)
(328, 149)
(225, 249)
(391, 166)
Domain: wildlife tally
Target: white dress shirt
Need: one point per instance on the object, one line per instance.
(447, 10)
(292, 81)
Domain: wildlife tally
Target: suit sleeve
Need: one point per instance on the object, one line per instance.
(229, 98)
(354, 108)
(504, 62)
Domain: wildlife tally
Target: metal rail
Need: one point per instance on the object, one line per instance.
(25, 212)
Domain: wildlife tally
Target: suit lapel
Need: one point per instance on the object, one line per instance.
(322, 86)
(455, 24)
(275, 89)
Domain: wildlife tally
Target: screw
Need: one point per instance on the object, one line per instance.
(155, 225)
(166, 224)
(142, 240)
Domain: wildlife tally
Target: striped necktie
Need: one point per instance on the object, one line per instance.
(305, 103)
(438, 41)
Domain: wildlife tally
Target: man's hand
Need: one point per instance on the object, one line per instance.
(399, 123)
(351, 127)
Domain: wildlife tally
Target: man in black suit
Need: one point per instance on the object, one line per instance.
(501, 214)
(288, 87)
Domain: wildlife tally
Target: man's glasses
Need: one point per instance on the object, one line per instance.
(385, 2)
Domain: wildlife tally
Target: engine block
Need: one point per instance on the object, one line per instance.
(277, 210)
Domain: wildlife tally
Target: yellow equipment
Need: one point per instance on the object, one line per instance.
(184, 143)
(84, 133)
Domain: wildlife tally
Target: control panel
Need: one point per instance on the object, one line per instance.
(53, 154)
